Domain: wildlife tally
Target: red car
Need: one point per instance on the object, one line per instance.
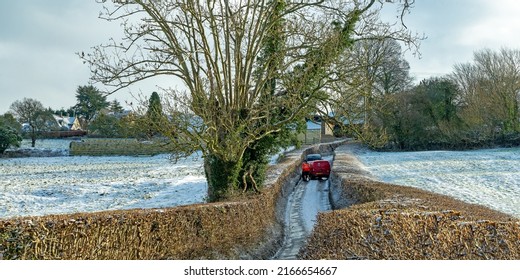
(314, 167)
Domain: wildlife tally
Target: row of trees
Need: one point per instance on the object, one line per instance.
(476, 105)
(145, 122)
(38, 120)
(104, 119)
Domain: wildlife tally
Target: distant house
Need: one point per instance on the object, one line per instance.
(321, 129)
(337, 127)
(67, 123)
(327, 128)
(73, 123)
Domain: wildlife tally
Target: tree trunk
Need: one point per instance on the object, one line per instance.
(222, 177)
(33, 138)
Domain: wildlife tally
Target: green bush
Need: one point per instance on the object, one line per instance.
(9, 137)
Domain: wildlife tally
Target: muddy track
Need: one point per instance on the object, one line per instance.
(304, 203)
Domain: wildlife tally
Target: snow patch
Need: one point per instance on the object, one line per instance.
(59, 185)
(487, 177)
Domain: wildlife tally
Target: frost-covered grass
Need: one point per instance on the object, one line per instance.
(55, 185)
(35, 186)
(53, 144)
(487, 177)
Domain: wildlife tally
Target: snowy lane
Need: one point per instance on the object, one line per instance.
(58, 185)
(487, 177)
(315, 200)
(303, 206)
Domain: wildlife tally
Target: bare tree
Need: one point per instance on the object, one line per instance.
(365, 76)
(32, 113)
(250, 68)
(491, 88)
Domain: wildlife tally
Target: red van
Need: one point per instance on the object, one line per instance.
(314, 167)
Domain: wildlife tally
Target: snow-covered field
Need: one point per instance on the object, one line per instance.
(487, 177)
(53, 144)
(40, 186)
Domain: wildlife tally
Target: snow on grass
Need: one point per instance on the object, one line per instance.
(43, 148)
(53, 144)
(56, 185)
(35, 186)
(273, 160)
(487, 177)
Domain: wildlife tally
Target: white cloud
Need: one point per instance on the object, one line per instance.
(499, 27)
(456, 29)
(37, 51)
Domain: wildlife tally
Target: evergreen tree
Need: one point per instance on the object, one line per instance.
(154, 115)
(155, 110)
(115, 107)
(90, 101)
(9, 137)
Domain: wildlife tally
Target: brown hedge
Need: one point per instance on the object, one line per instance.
(206, 231)
(376, 220)
(410, 234)
(202, 231)
(247, 228)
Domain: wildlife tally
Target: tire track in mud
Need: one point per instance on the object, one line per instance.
(303, 205)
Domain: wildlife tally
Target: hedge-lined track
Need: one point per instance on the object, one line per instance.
(376, 220)
(303, 206)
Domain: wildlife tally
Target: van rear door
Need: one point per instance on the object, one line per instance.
(320, 168)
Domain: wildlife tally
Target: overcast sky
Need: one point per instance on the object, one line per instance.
(39, 41)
